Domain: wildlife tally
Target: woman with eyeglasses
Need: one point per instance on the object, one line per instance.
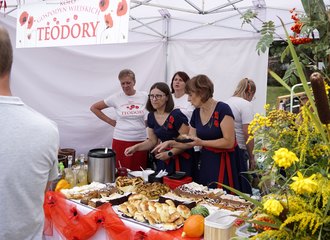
(180, 98)
(164, 123)
(129, 125)
(212, 128)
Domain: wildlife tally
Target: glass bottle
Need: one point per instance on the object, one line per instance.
(61, 170)
(82, 173)
(69, 175)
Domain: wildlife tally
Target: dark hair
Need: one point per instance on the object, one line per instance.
(202, 86)
(182, 75)
(166, 90)
(6, 52)
(125, 73)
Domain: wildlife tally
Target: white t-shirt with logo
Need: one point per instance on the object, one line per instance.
(184, 105)
(243, 113)
(130, 115)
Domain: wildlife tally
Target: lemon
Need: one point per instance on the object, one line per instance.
(62, 184)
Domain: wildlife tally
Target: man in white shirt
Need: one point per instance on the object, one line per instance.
(28, 158)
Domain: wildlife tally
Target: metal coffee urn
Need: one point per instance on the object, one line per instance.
(101, 165)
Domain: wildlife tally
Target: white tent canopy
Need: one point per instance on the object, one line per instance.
(187, 19)
(165, 36)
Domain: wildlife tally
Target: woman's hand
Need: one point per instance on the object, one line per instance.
(130, 151)
(196, 142)
(252, 163)
(162, 156)
(161, 147)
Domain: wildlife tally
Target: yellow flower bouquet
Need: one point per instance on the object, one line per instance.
(293, 155)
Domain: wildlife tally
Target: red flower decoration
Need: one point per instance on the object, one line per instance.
(170, 126)
(74, 212)
(171, 119)
(122, 8)
(140, 235)
(216, 115)
(108, 20)
(23, 18)
(216, 123)
(103, 4)
(99, 219)
(51, 200)
(30, 22)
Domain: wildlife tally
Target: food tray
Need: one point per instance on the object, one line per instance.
(76, 201)
(177, 175)
(183, 140)
(158, 227)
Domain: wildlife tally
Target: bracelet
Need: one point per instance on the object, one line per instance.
(169, 153)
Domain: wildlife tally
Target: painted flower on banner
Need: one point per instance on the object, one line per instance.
(23, 18)
(103, 4)
(108, 20)
(122, 8)
(30, 22)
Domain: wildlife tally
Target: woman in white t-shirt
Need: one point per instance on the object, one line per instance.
(180, 98)
(242, 108)
(129, 126)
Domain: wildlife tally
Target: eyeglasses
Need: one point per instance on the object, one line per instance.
(156, 96)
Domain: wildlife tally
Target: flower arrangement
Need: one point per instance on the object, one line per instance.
(294, 160)
(295, 153)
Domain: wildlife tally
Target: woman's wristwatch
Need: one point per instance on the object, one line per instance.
(170, 153)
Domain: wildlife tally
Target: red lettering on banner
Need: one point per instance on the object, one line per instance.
(82, 30)
(47, 33)
(63, 35)
(52, 33)
(78, 30)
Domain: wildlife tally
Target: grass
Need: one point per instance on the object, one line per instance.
(276, 91)
(273, 92)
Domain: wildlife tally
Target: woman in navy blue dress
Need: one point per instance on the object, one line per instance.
(212, 128)
(164, 123)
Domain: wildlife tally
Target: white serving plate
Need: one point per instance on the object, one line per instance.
(140, 173)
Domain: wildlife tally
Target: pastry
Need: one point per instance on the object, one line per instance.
(184, 211)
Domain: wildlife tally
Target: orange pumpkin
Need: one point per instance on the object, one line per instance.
(193, 226)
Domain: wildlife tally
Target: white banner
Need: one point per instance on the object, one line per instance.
(72, 22)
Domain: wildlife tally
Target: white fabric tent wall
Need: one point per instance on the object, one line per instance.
(62, 83)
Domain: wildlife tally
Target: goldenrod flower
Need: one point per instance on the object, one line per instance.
(284, 158)
(273, 207)
(303, 185)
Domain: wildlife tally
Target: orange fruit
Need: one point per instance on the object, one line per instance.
(62, 184)
(193, 226)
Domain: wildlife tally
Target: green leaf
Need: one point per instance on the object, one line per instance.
(285, 53)
(280, 80)
(300, 71)
(266, 224)
(243, 195)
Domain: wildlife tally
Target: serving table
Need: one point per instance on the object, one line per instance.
(69, 218)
